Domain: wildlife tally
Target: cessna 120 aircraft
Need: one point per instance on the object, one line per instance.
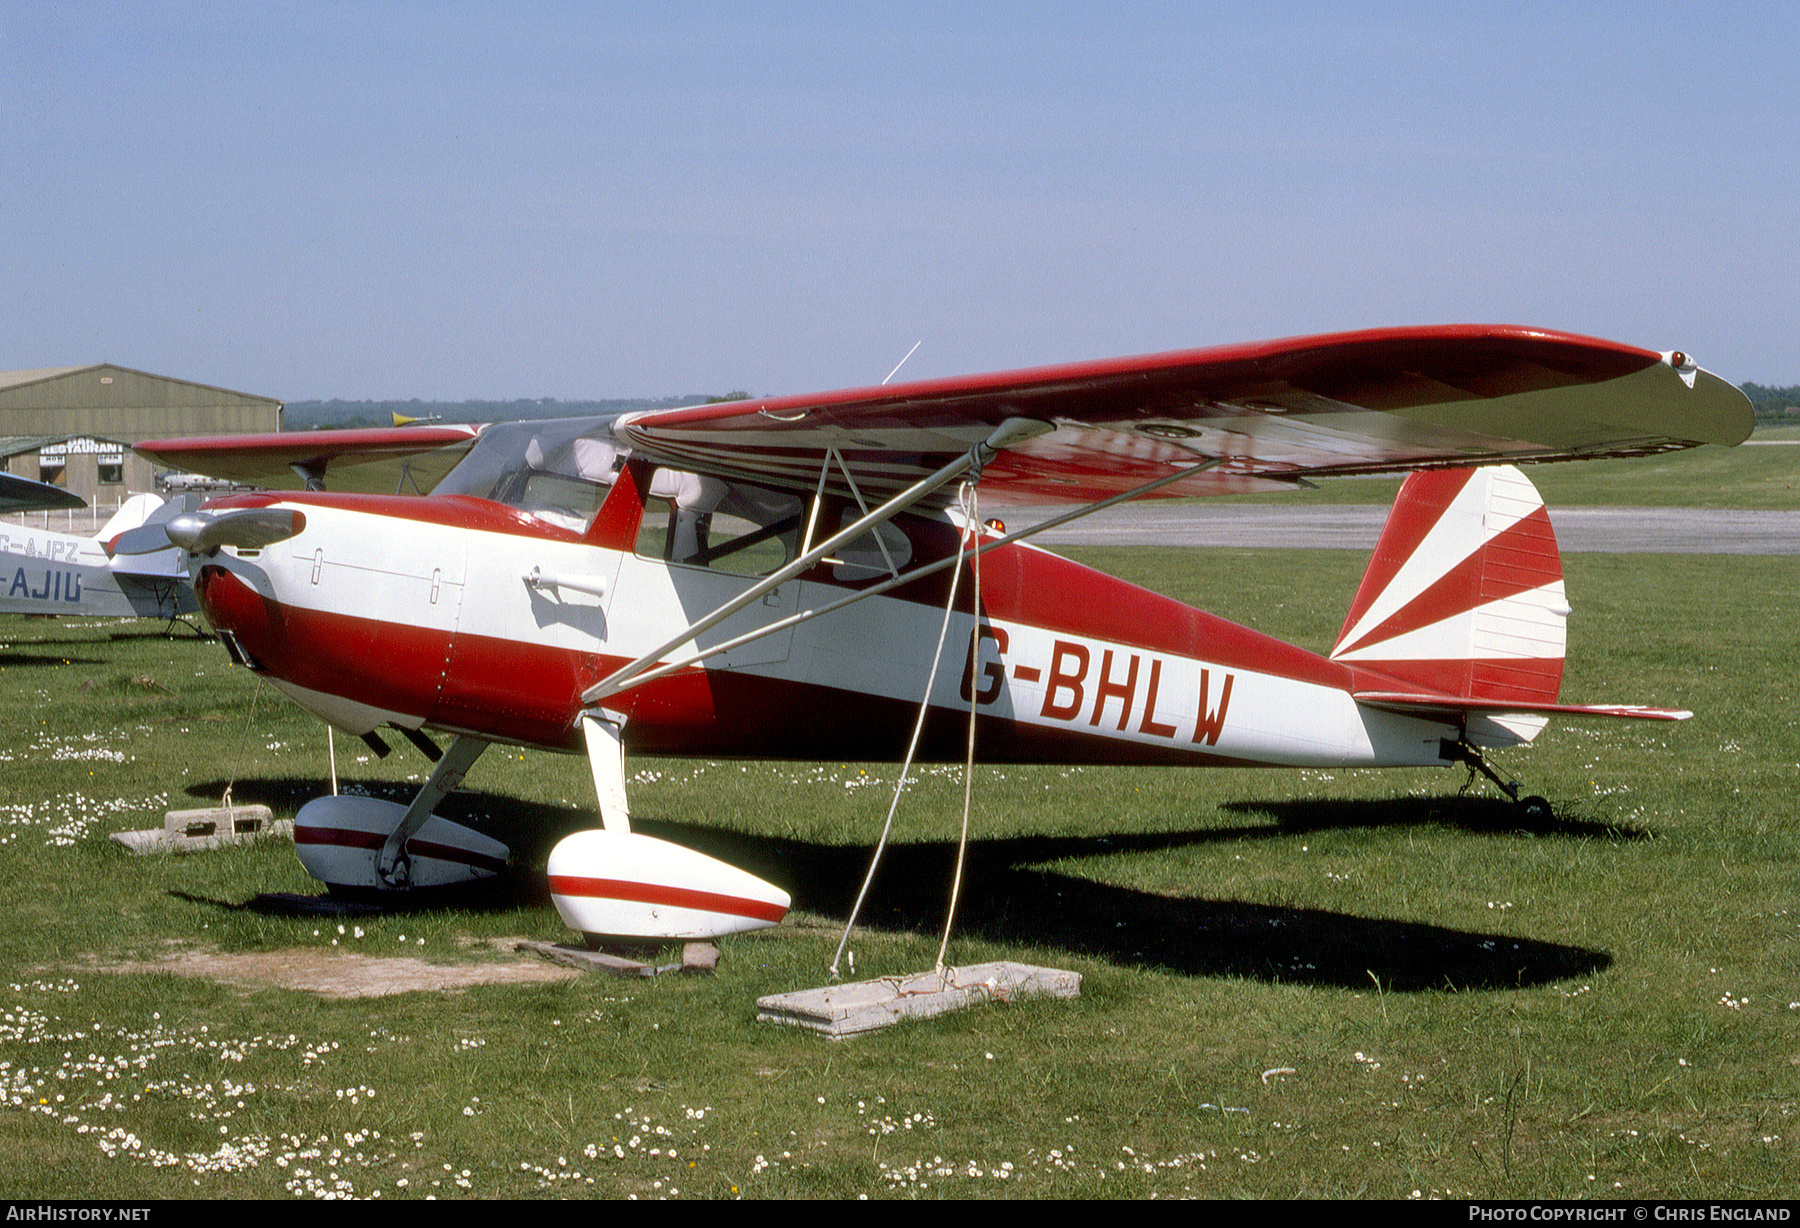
(768, 578)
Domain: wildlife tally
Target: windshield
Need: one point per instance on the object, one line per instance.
(557, 470)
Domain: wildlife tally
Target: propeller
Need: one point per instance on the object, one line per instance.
(145, 539)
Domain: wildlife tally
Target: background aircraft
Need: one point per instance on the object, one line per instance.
(778, 578)
(45, 572)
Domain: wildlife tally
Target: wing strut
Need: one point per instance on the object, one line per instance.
(1012, 431)
(604, 688)
(606, 759)
(861, 503)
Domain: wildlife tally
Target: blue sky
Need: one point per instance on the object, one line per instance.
(443, 200)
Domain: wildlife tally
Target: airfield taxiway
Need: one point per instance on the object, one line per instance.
(1606, 530)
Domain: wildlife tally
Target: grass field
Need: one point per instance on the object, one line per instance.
(1297, 984)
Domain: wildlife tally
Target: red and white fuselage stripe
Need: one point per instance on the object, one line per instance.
(417, 612)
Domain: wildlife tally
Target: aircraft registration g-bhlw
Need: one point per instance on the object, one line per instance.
(770, 578)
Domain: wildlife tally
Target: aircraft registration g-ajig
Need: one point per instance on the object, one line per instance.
(770, 578)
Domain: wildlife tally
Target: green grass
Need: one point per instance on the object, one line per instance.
(1604, 1005)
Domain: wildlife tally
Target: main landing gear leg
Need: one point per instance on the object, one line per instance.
(606, 760)
(616, 887)
(393, 866)
(1532, 808)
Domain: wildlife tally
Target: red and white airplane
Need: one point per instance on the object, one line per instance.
(770, 578)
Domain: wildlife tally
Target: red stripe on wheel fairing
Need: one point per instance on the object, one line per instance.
(660, 893)
(348, 838)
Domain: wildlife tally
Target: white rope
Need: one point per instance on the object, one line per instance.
(972, 516)
(238, 762)
(911, 750)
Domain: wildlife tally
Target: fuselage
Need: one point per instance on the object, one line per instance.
(423, 613)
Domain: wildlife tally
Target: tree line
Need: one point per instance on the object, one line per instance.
(1774, 405)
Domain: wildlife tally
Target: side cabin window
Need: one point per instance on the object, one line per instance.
(705, 521)
(567, 500)
(878, 553)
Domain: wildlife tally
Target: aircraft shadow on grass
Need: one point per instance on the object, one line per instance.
(1009, 898)
(16, 659)
(44, 651)
(1479, 815)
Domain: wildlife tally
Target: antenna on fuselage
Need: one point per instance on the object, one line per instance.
(902, 362)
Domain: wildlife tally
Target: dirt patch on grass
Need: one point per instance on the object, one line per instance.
(344, 974)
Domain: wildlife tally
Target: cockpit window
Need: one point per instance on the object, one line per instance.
(561, 470)
(558, 471)
(705, 521)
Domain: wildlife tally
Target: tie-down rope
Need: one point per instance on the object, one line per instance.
(971, 527)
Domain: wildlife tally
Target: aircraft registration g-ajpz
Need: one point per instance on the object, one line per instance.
(771, 578)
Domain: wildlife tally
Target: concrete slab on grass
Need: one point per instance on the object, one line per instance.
(195, 831)
(695, 957)
(863, 1006)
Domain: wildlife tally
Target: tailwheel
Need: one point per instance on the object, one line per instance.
(1532, 808)
(1535, 809)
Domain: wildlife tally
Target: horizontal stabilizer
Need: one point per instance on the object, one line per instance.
(1450, 705)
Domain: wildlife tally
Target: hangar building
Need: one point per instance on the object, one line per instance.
(74, 426)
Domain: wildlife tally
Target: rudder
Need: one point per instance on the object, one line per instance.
(1464, 594)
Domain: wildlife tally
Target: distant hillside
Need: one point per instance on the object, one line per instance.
(312, 415)
(1774, 405)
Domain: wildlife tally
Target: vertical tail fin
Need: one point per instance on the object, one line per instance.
(1464, 595)
(132, 514)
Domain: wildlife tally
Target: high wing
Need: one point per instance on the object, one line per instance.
(378, 460)
(1246, 418)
